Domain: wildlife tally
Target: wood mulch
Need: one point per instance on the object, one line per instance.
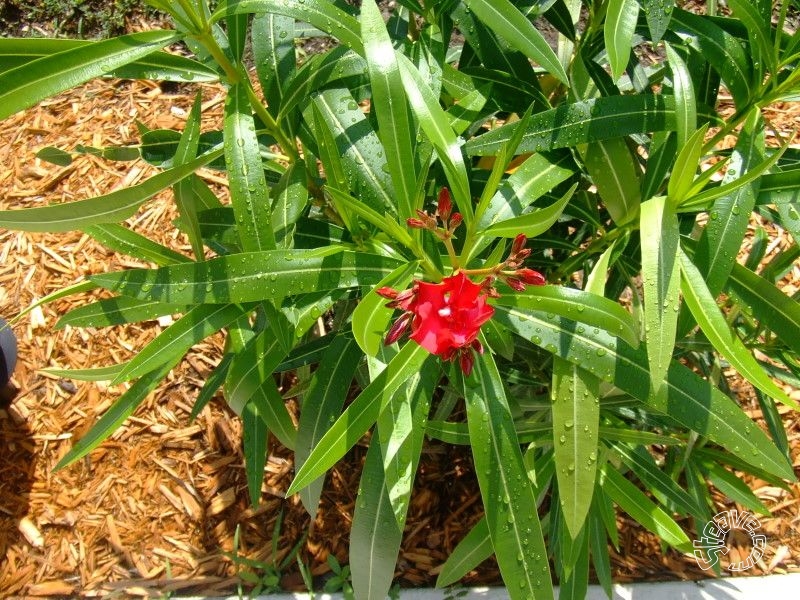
(154, 508)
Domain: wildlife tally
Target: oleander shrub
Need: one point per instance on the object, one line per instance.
(530, 245)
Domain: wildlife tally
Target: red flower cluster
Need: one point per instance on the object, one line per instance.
(444, 318)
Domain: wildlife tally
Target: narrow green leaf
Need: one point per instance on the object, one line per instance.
(591, 309)
(55, 156)
(371, 317)
(122, 408)
(472, 550)
(729, 217)
(125, 241)
(533, 223)
(110, 208)
(249, 191)
(321, 404)
(272, 37)
(598, 545)
(715, 327)
(251, 276)
(360, 151)
(725, 53)
(628, 497)
(254, 441)
(618, 31)
(184, 189)
(576, 417)
(157, 65)
(94, 374)
(772, 307)
(507, 492)
(657, 13)
(660, 274)
(760, 36)
(360, 415)
(319, 13)
(117, 311)
(289, 204)
(434, 122)
(733, 487)
(375, 535)
(685, 100)
(616, 175)
(516, 30)
(211, 385)
(582, 122)
(29, 83)
(176, 340)
(687, 398)
(682, 178)
(389, 104)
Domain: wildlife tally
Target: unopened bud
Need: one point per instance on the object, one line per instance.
(519, 244)
(387, 292)
(445, 205)
(397, 329)
(531, 277)
(416, 223)
(515, 284)
(455, 221)
(466, 361)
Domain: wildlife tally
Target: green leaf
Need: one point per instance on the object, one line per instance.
(95, 374)
(508, 22)
(360, 415)
(472, 550)
(289, 204)
(598, 545)
(772, 307)
(251, 276)
(319, 13)
(395, 128)
(117, 311)
(125, 241)
(359, 150)
(254, 442)
(184, 189)
(715, 327)
(401, 432)
(507, 493)
(110, 208)
(272, 39)
(733, 487)
(690, 400)
(657, 13)
(760, 37)
(729, 217)
(371, 317)
(682, 178)
(685, 100)
(661, 281)
(588, 308)
(434, 122)
(157, 65)
(576, 417)
(718, 47)
(582, 122)
(616, 175)
(321, 404)
(533, 223)
(375, 535)
(29, 83)
(176, 340)
(628, 497)
(535, 177)
(211, 385)
(54, 156)
(618, 31)
(249, 191)
(122, 408)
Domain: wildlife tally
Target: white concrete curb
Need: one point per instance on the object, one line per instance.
(771, 587)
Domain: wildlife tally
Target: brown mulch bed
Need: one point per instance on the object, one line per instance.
(153, 509)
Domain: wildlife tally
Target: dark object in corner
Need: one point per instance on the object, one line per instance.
(8, 352)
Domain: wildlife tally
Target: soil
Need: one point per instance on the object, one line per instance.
(157, 507)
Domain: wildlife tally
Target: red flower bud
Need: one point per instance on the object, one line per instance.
(455, 221)
(387, 292)
(531, 277)
(416, 223)
(397, 329)
(445, 205)
(515, 284)
(466, 361)
(519, 244)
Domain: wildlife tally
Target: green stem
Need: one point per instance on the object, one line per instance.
(451, 252)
